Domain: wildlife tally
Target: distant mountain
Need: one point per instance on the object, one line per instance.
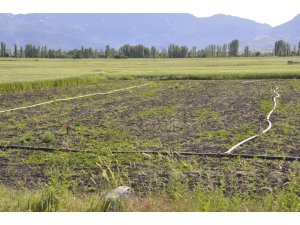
(70, 30)
(289, 31)
(220, 29)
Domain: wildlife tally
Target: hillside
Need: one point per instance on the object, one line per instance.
(69, 30)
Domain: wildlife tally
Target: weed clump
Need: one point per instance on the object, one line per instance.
(47, 137)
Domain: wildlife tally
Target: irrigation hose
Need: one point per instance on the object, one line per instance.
(213, 155)
(264, 131)
(76, 97)
(218, 155)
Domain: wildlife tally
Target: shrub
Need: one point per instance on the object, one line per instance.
(47, 137)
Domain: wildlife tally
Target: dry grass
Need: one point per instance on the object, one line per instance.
(199, 201)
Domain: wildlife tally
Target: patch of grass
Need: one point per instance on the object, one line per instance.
(218, 134)
(47, 137)
(27, 137)
(158, 111)
(266, 106)
(205, 114)
(198, 201)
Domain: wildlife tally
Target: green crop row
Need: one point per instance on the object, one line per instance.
(32, 74)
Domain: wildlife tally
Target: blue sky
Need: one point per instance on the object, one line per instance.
(264, 11)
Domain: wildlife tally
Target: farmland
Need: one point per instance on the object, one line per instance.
(194, 105)
(34, 73)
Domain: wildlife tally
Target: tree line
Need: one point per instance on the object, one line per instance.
(283, 48)
(125, 51)
(140, 51)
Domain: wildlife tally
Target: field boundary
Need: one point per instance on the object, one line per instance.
(264, 131)
(76, 97)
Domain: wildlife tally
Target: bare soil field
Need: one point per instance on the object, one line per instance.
(175, 116)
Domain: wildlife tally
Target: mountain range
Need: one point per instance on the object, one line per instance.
(69, 30)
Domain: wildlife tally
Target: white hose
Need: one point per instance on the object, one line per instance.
(264, 131)
(72, 98)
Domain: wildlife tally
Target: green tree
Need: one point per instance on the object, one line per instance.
(38, 52)
(193, 52)
(3, 50)
(294, 52)
(184, 51)
(107, 51)
(28, 51)
(22, 52)
(42, 52)
(147, 52)
(163, 53)
(224, 50)
(82, 52)
(46, 53)
(125, 50)
(176, 51)
(171, 51)
(210, 51)
(15, 50)
(246, 51)
(138, 51)
(113, 52)
(90, 53)
(153, 52)
(219, 51)
(288, 49)
(31, 51)
(282, 48)
(233, 48)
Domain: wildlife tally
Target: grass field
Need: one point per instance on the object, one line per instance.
(171, 115)
(24, 72)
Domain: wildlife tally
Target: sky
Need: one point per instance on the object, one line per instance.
(272, 12)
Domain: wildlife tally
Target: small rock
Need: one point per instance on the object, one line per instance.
(120, 193)
(114, 199)
(247, 82)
